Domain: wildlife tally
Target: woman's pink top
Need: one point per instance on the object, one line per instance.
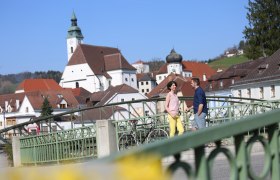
(173, 105)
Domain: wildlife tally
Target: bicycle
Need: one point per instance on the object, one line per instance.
(135, 137)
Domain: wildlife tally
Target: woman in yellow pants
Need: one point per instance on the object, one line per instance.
(172, 108)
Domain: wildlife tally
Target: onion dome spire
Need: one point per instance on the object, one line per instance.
(174, 57)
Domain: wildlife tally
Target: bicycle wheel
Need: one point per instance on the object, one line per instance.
(156, 135)
(126, 141)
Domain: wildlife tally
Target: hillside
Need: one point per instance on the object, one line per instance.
(226, 62)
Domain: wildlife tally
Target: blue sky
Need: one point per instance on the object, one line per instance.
(33, 33)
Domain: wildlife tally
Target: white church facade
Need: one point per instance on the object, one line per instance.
(94, 68)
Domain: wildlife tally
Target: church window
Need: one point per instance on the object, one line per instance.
(72, 50)
(143, 90)
(77, 85)
(147, 82)
(26, 110)
(125, 79)
(147, 90)
(142, 83)
(132, 79)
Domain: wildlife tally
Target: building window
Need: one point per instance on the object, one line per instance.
(1, 123)
(77, 85)
(261, 93)
(62, 106)
(125, 79)
(272, 88)
(143, 90)
(72, 50)
(109, 83)
(132, 79)
(147, 82)
(239, 93)
(249, 93)
(210, 86)
(26, 109)
(11, 122)
(133, 99)
(122, 100)
(232, 81)
(142, 83)
(147, 90)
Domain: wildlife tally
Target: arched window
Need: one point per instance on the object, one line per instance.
(72, 50)
(77, 85)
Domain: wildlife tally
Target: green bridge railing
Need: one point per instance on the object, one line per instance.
(59, 146)
(239, 161)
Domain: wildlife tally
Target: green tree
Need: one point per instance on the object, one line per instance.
(263, 31)
(46, 108)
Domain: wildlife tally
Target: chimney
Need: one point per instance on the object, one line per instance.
(204, 77)
(17, 104)
(6, 106)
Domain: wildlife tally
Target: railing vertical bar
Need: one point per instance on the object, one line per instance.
(273, 138)
(201, 163)
(241, 156)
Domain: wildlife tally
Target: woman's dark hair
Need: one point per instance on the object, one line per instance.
(170, 84)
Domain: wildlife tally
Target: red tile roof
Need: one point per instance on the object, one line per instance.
(162, 87)
(29, 85)
(81, 95)
(11, 99)
(99, 58)
(198, 69)
(104, 96)
(36, 98)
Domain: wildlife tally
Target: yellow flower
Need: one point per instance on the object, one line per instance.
(146, 167)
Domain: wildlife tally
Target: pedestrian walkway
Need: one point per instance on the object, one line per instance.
(3, 160)
(188, 156)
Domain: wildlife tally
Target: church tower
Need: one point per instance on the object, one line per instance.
(174, 62)
(74, 36)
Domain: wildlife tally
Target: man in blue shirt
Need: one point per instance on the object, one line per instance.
(199, 105)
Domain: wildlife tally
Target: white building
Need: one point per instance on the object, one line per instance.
(22, 107)
(176, 65)
(123, 93)
(141, 67)
(94, 68)
(146, 82)
(262, 82)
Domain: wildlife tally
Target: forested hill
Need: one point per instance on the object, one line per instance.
(8, 83)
